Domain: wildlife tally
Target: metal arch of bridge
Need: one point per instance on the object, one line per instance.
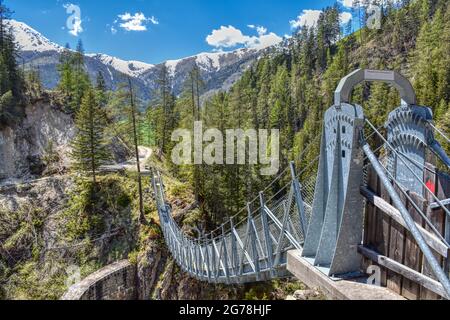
(327, 226)
(345, 87)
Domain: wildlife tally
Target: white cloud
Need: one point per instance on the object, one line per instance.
(261, 31)
(345, 17)
(153, 20)
(265, 41)
(136, 22)
(113, 30)
(133, 23)
(228, 37)
(347, 3)
(307, 18)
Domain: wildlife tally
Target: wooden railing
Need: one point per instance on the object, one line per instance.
(388, 243)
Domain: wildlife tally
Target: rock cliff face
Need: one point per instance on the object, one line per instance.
(39, 145)
(25, 204)
(23, 147)
(159, 278)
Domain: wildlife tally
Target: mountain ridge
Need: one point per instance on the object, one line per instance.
(218, 69)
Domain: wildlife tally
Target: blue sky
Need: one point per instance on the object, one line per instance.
(156, 30)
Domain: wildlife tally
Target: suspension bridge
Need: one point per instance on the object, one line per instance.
(330, 212)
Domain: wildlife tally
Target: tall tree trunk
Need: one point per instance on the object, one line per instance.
(91, 115)
(136, 148)
(1, 31)
(163, 142)
(200, 167)
(194, 117)
(197, 80)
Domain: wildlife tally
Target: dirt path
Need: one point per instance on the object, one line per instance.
(144, 154)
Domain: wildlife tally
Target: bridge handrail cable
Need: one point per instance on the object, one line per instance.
(401, 157)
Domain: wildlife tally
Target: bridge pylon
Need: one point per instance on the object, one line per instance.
(336, 224)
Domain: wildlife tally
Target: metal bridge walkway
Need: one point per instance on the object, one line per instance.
(240, 252)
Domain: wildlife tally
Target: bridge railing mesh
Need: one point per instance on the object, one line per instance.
(247, 251)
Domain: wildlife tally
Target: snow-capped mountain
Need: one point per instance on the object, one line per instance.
(30, 39)
(219, 70)
(206, 61)
(131, 68)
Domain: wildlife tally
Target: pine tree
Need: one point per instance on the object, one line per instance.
(348, 29)
(328, 32)
(89, 148)
(165, 101)
(153, 116)
(10, 56)
(431, 61)
(11, 79)
(263, 95)
(5, 13)
(73, 78)
(338, 67)
(81, 81)
(194, 87)
(78, 57)
(4, 83)
(33, 83)
(215, 116)
(282, 112)
(6, 105)
(134, 116)
(101, 90)
(444, 125)
(66, 73)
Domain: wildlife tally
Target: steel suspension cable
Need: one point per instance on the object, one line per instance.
(416, 207)
(442, 134)
(257, 197)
